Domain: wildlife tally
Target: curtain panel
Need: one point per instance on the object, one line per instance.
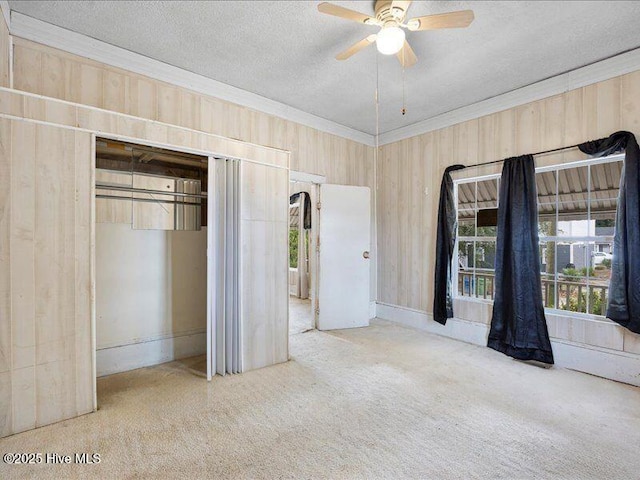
(623, 305)
(518, 323)
(445, 243)
(305, 205)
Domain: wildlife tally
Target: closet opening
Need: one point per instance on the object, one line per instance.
(150, 257)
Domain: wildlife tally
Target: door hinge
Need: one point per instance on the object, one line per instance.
(318, 205)
(317, 307)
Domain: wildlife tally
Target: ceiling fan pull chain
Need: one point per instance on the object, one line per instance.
(377, 103)
(404, 102)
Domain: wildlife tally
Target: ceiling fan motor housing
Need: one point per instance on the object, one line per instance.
(386, 14)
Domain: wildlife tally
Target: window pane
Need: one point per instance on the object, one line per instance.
(605, 180)
(603, 218)
(466, 223)
(465, 256)
(465, 269)
(293, 248)
(487, 231)
(467, 195)
(599, 275)
(485, 257)
(572, 279)
(546, 187)
(547, 225)
(547, 273)
(487, 195)
(572, 219)
(572, 185)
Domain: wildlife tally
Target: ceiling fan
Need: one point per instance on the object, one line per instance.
(390, 16)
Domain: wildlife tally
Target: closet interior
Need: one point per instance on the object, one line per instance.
(151, 256)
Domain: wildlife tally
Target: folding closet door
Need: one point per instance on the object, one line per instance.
(224, 328)
(46, 355)
(248, 266)
(264, 264)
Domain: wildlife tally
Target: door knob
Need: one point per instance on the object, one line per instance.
(365, 254)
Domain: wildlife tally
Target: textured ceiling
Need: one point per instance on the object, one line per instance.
(285, 50)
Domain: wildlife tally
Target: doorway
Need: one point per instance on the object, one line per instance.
(303, 270)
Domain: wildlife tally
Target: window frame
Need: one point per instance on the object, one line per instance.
(555, 238)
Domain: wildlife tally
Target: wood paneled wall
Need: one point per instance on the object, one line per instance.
(407, 213)
(410, 171)
(53, 73)
(5, 57)
(45, 286)
(64, 378)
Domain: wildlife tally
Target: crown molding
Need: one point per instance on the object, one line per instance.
(45, 33)
(596, 72)
(53, 36)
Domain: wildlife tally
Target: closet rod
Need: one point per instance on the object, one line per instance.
(544, 152)
(106, 186)
(151, 200)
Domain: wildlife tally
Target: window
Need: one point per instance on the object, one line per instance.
(476, 237)
(576, 218)
(294, 232)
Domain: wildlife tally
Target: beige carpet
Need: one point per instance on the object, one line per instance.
(300, 315)
(380, 402)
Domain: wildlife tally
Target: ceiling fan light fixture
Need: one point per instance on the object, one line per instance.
(390, 40)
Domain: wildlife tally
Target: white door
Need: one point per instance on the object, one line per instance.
(345, 242)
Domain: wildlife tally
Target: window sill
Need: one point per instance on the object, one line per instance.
(548, 311)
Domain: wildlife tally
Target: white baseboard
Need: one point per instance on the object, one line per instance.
(612, 364)
(153, 352)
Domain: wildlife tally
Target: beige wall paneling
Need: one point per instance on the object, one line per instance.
(48, 196)
(88, 82)
(6, 350)
(42, 70)
(429, 215)
(27, 72)
(629, 103)
(83, 270)
(5, 55)
(91, 83)
(587, 113)
(23, 281)
(264, 216)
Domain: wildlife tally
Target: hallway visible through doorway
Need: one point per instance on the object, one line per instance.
(300, 315)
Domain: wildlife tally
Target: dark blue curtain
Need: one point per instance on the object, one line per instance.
(518, 324)
(623, 305)
(307, 207)
(445, 243)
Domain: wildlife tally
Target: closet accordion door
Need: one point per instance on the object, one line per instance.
(248, 266)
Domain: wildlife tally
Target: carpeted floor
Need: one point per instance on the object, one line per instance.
(378, 402)
(300, 315)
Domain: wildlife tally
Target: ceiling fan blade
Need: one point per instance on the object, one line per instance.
(406, 56)
(355, 48)
(402, 5)
(459, 19)
(342, 12)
